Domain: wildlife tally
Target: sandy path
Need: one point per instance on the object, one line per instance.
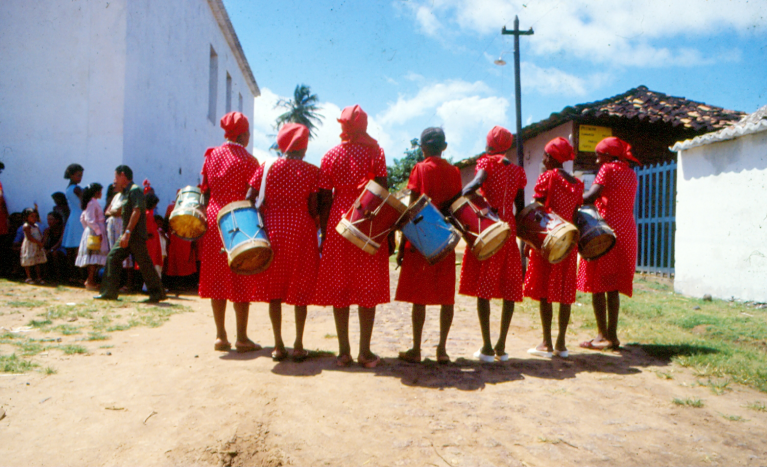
(212, 408)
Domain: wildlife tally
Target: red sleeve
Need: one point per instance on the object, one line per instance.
(542, 185)
(204, 183)
(415, 182)
(255, 180)
(483, 164)
(380, 164)
(604, 175)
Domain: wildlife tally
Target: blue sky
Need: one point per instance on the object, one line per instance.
(419, 63)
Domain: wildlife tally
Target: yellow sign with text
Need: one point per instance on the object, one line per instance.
(589, 136)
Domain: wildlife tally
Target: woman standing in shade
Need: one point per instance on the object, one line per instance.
(546, 282)
(290, 208)
(225, 175)
(349, 276)
(73, 229)
(499, 276)
(613, 194)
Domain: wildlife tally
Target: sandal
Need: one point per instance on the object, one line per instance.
(590, 344)
(410, 356)
(369, 364)
(279, 355)
(30, 281)
(248, 346)
(443, 358)
(222, 346)
(344, 360)
(299, 355)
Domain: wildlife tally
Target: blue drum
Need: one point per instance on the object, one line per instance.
(244, 237)
(428, 231)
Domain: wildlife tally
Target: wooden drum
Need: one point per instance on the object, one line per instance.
(188, 220)
(370, 219)
(597, 238)
(546, 232)
(484, 232)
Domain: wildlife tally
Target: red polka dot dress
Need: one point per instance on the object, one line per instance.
(348, 275)
(615, 270)
(225, 173)
(419, 281)
(499, 276)
(555, 282)
(292, 232)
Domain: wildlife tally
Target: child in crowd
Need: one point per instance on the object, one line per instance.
(32, 252)
(421, 283)
(61, 205)
(94, 246)
(181, 262)
(153, 236)
(57, 255)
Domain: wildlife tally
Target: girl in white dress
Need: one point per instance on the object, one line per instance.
(94, 223)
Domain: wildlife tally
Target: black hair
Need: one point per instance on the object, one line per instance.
(124, 169)
(89, 192)
(2, 166)
(26, 212)
(433, 140)
(59, 196)
(161, 222)
(151, 201)
(73, 169)
(56, 215)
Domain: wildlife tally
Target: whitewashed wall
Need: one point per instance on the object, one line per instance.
(167, 80)
(721, 237)
(61, 94)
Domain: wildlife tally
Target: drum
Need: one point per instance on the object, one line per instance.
(245, 241)
(428, 231)
(188, 220)
(484, 232)
(543, 229)
(370, 219)
(597, 238)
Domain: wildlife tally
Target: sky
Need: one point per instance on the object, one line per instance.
(412, 64)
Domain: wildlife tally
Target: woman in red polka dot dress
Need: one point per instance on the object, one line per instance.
(290, 217)
(225, 175)
(613, 194)
(499, 276)
(544, 281)
(348, 275)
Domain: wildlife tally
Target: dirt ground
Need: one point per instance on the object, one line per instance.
(162, 396)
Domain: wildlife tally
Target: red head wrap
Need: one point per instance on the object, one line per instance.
(616, 147)
(147, 186)
(560, 149)
(234, 124)
(354, 125)
(499, 140)
(293, 137)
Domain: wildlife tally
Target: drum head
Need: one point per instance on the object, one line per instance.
(188, 224)
(559, 247)
(491, 240)
(251, 258)
(597, 247)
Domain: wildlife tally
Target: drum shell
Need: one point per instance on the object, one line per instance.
(596, 236)
(428, 231)
(245, 240)
(482, 229)
(188, 220)
(546, 232)
(373, 215)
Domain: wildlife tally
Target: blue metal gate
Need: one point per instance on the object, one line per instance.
(655, 212)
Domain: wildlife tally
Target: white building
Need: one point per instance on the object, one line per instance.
(104, 83)
(721, 237)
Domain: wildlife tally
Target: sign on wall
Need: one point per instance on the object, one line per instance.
(589, 136)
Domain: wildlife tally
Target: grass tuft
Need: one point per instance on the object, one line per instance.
(688, 402)
(757, 406)
(71, 349)
(49, 370)
(13, 364)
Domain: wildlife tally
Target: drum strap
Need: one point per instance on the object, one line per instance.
(262, 190)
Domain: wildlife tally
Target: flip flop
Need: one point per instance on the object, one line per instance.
(365, 363)
(443, 359)
(249, 347)
(590, 345)
(279, 355)
(561, 353)
(484, 358)
(539, 353)
(222, 346)
(410, 356)
(502, 358)
(344, 360)
(299, 355)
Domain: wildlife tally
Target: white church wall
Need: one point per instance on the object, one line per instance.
(61, 97)
(167, 124)
(721, 236)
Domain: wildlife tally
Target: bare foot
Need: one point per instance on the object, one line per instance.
(344, 360)
(247, 346)
(410, 356)
(222, 345)
(369, 361)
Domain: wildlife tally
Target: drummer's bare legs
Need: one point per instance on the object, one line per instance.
(483, 313)
(546, 317)
(564, 320)
(418, 317)
(243, 344)
(613, 310)
(219, 315)
(607, 326)
(275, 315)
(341, 316)
(445, 321)
(367, 318)
(298, 345)
(507, 311)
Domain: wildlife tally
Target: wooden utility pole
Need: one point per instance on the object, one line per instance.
(519, 201)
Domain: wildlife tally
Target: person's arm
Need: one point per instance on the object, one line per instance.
(79, 192)
(28, 235)
(324, 202)
(593, 194)
(91, 218)
(134, 218)
(251, 195)
(476, 183)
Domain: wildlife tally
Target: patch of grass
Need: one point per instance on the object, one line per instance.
(718, 387)
(106, 346)
(49, 370)
(118, 327)
(30, 347)
(688, 402)
(733, 418)
(71, 349)
(13, 364)
(663, 375)
(25, 303)
(39, 324)
(96, 336)
(756, 406)
(66, 329)
(330, 336)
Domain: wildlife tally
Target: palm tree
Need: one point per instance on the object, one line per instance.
(301, 109)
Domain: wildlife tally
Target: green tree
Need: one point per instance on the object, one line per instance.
(399, 173)
(301, 109)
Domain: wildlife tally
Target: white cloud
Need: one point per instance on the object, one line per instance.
(550, 81)
(601, 31)
(427, 99)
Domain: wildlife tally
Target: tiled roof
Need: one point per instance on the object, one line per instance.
(753, 123)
